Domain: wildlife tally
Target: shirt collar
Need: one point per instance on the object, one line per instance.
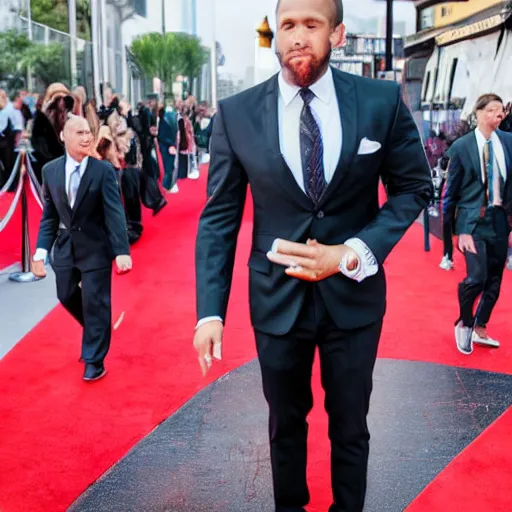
(323, 88)
(480, 138)
(71, 164)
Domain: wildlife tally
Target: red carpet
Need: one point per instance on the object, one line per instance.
(479, 479)
(58, 434)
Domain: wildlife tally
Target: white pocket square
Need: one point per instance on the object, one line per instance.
(367, 147)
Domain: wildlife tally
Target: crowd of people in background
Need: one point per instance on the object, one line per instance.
(150, 144)
(437, 147)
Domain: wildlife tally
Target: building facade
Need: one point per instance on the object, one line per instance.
(365, 55)
(461, 50)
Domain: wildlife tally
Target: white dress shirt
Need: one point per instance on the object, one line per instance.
(326, 112)
(9, 113)
(71, 165)
(327, 115)
(498, 165)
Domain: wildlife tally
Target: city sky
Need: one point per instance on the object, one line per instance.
(236, 21)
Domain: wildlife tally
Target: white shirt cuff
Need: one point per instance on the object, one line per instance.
(368, 265)
(40, 255)
(207, 319)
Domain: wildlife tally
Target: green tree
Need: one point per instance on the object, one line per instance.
(18, 54)
(13, 57)
(157, 55)
(191, 57)
(54, 13)
(46, 63)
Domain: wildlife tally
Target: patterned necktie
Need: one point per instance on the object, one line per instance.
(493, 182)
(311, 150)
(74, 183)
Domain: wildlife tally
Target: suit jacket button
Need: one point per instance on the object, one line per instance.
(320, 215)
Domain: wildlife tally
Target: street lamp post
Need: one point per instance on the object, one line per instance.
(163, 17)
(389, 35)
(30, 80)
(72, 37)
(104, 43)
(95, 37)
(213, 56)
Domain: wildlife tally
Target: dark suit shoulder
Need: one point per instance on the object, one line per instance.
(505, 137)
(101, 165)
(461, 143)
(377, 96)
(52, 165)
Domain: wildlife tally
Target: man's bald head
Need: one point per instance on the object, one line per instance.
(75, 123)
(337, 11)
(77, 137)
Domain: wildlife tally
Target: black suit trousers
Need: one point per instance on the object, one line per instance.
(484, 269)
(90, 304)
(347, 359)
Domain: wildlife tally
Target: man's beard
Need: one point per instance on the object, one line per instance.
(306, 72)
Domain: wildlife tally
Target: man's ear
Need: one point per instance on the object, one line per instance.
(62, 135)
(337, 37)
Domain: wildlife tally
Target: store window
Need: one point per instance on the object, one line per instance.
(426, 86)
(426, 18)
(445, 11)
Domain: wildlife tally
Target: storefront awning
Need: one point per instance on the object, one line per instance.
(423, 4)
(480, 24)
(422, 37)
(471, 30)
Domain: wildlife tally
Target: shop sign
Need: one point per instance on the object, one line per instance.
(468, 31)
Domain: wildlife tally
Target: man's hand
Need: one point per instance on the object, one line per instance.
(172, 150)
(124, 263)
(38, 268)
(467, 244)
(312, 261)
(208, 343)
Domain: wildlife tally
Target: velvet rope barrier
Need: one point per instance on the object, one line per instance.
(26, 275)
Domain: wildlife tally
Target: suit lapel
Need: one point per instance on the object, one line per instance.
(347, 104)
(508, 154)
(474, 154)
(85, 183)
(282, 174)
(61, 185)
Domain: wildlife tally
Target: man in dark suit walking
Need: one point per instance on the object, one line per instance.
(84, 222)
(312, 143)
(480, 189)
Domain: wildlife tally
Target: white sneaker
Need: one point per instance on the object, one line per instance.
(446, 263)
(193, 175)
(463, 339)
(486, 342)
(174, 190)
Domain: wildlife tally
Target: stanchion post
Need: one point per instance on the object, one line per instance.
(26, 275)
(426, 230)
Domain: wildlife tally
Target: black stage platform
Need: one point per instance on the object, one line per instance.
(212, 454)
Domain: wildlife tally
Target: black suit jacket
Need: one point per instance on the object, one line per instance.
(245, 150)
(465, 189)
(95, 228)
